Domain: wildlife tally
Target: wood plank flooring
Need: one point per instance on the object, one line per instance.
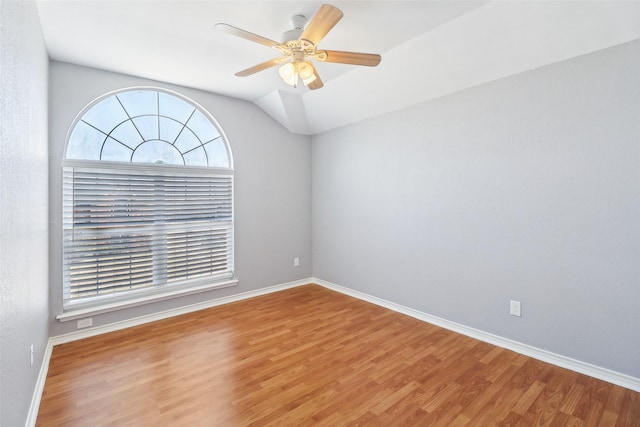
(311, 356)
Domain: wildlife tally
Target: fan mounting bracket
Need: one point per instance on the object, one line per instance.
(298, 22)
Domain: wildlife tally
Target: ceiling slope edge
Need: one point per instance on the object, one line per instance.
(272, 105)
(492, 42)
(287, 109)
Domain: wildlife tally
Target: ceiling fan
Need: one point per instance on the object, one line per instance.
(300, 46)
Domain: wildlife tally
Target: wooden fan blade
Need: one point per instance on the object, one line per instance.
(317, 83)
(246, 35)
(260, 67)
(355, 58)
(323, 21)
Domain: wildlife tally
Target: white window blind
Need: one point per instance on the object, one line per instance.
(127, 230)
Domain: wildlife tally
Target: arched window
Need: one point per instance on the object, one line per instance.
(147, 199)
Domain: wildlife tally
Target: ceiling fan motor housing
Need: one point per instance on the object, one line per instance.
(297, 22)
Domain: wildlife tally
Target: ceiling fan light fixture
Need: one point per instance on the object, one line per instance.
(305, 70)
(291, 72)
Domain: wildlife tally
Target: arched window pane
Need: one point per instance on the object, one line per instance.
(158, 152)
(217, 153)
(115, 152)
(176, 108)
(127, 134)
(202, 127)
(106, 115)
(139, 102)
(85, 143)
(148, 127)
(169, 129)
(187, 141)
(196, 157)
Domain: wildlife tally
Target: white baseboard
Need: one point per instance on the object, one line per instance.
(604, 374)
(32, 416)
(116, 326)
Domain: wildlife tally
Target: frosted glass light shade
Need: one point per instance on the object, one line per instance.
(305, 70)
(289, 74)
(292, 71)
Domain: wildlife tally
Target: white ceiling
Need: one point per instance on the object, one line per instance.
(429, 48)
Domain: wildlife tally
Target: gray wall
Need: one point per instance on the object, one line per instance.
(272, 188)
(24, 249)
(525, 188)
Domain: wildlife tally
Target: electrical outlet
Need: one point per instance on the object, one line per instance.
(515, 308)
(85, 323)
(296, 262)
(31, 355)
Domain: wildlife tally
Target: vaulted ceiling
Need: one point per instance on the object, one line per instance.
(429, 48)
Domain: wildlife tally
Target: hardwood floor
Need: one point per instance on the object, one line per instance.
(310, 356)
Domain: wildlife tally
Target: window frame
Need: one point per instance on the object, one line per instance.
(73, 309)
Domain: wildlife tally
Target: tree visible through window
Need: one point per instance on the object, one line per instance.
(148, 198)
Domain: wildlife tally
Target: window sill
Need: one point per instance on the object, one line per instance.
(80, 313)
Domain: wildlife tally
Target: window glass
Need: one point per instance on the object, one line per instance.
(187, 141)
(139, 102)
(176, 108)
(202, 127)
(85, 142)
(131, 231)
(195, 157)
(169, 129)
(217, 153)
(158, 152)
(106, 115)
(127, 134)
(148, 126)
(113, 150)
